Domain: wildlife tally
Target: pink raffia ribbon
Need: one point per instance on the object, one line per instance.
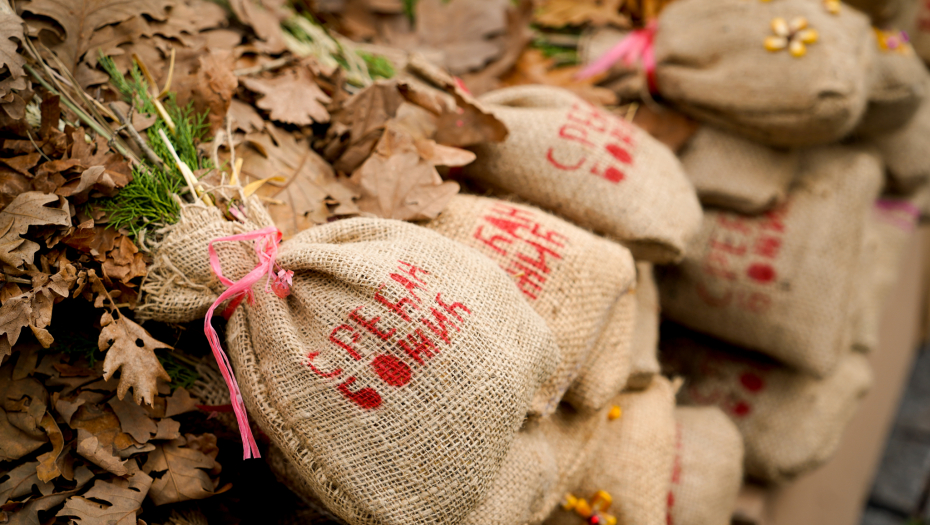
(636, 47)
(266, 247)
(902, 214)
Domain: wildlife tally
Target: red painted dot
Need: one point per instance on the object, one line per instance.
(391, 370)
(619, 153)
(752, 382)
(761, 272)
(742, 409)
(613, 174)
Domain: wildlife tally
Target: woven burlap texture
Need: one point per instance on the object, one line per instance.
(781, 283)
(905, 151)
(590, 167)
(888, 231)
(735, 173)
(708, 468)
(381, 435)
(571, 277)
(633, 458)
(791, 422)
(645, 363)
(897, 87)
(712, 64)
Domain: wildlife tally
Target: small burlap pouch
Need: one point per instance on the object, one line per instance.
(781, 283)
(735, 173)
(571, 277)
(607, 369)
(881, 11)
(712, 63)
(590, 167)
(791, 422)
(645, 346)
(395, 373)
(905, 152)
(887, 233)
(633, 459)
(897, 86)
(708, 468)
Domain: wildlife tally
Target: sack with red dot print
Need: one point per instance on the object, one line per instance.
(781, 283)
(570, 276)
(791, 422)
(785, 73)
(708, 468)
(596, 170)
(395, 373)
(735, 173)
(632, 460)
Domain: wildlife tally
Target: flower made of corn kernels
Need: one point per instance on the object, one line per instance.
(794, 35)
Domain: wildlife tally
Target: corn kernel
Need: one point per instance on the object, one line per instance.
(780, 27)
(808, 36)
(797, 48)
(615, 413)
(583, 509)
(776, 43)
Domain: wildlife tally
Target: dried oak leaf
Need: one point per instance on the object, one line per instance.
(210, 89)
(28, 513)
(81, 18)
(18, 482)
(463, 31)
(100, 437)
(132, 350)
(23, 403)
(292, 98)
(27, 210)
(122, 501)
(397, 182)
(560, 13)
(49, 467)
(11, 27)
(134, 420)
(185, 472)
(34, 308)
(264, 17)
(534, 68)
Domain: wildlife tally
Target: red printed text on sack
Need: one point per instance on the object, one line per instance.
(596, 133)
(729, 383)
(676, 477)
(430, 322)
(522, 246)
(742, 250)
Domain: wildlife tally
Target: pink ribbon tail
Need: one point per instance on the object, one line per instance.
(892, 210)
(267, 249)
(637, 46)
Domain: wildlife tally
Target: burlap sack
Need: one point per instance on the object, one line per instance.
(633, 459)
(712, 63)
(592, 168)
(791, 422)
(735, 173)
(890, 227)
(912, 18)
(905, 151)
(897, 86)
(606, 371)
(708, 468)
(395, 374)
(645, 363)
(880, 11)
(571, 277)
(781, 283)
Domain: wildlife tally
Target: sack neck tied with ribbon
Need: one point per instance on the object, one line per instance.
(279, 282)
(636, 48)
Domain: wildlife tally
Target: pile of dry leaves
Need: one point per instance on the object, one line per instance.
(114, 112)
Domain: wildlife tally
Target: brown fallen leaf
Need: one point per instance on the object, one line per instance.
(396, 182)
(122, 501)
(23, 404)
(34, 308)
(133, 420)
(465, 33)
(48, 468)
(27, 210)
(534, 68)
(11, 27)
(264, 17)
(210, 89)
(180, 402)
(131, 349)
(19, 481)
(560, 13)
(29, 513)
(292, 97)
(668, 126)
(185, 473)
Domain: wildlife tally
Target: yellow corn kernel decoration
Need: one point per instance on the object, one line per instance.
(615, 413)
(570, 502)
(795, 35)
(832, 6)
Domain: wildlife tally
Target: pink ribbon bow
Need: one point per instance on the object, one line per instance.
(266, 247)
(637, 46)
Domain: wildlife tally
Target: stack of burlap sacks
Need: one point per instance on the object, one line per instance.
(811, 169)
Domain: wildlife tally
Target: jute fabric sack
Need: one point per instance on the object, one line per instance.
(781, 283)
(590, 167)
(395, 374)
(606, 371)
(645, 363)
(791, 422)
(735, 173)
(888, 231)
(897, 86)
(633, 459)
(571, 277)
(708, 468)
(905, 151)
(712, 64)
(880, 11)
